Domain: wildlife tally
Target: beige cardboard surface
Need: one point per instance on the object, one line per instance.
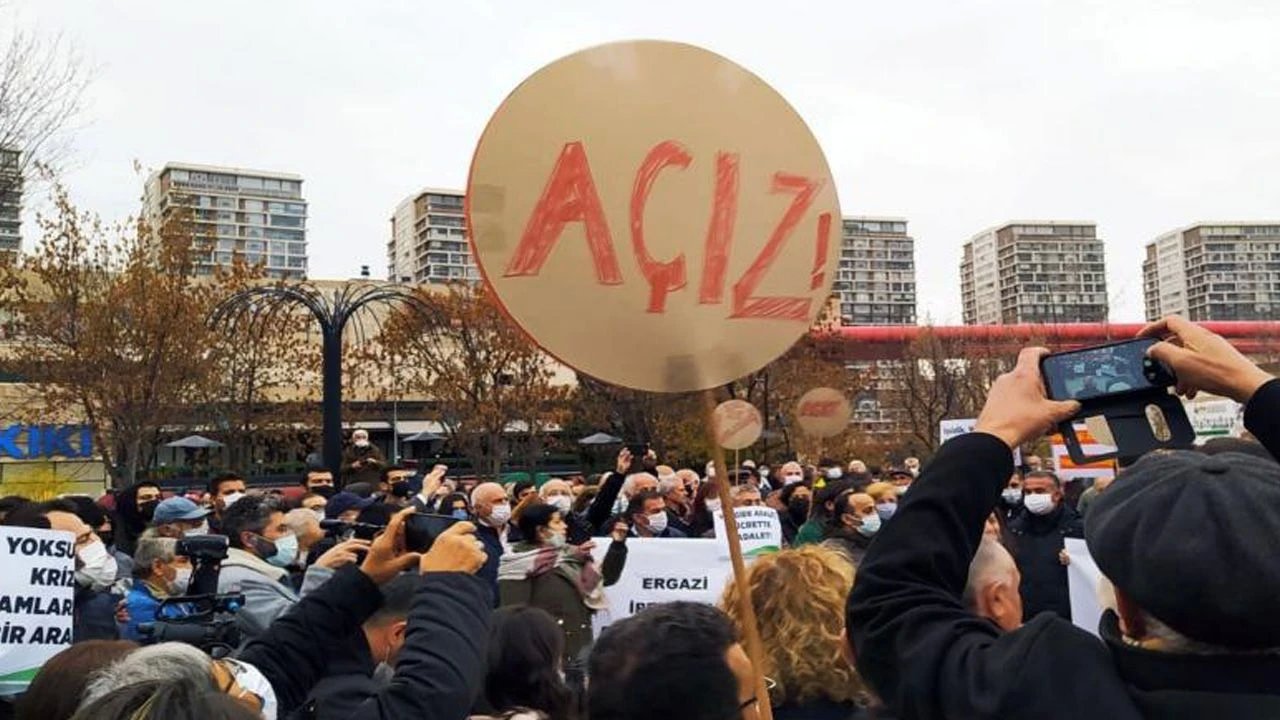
(654, 215)
(738, 424)
(823, 412)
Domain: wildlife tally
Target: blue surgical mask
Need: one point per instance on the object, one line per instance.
(286, 550)
(459, 514)
(870, 525)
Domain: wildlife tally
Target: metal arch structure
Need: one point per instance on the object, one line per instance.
(334, 311)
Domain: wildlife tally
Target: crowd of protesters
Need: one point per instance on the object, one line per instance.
(901, 592)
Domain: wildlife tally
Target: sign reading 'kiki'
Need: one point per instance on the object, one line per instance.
(27, 442)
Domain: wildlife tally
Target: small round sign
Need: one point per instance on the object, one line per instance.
(738, 424)
(654, 215)
(823, 412)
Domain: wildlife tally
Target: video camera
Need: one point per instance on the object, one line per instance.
(203, 617)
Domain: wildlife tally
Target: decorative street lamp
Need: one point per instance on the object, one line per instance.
(333, 310)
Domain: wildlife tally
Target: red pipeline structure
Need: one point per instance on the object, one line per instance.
(1260, 340)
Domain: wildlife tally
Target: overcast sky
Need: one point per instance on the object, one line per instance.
(1142, 115)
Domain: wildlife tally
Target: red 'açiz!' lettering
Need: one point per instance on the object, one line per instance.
(662, 277)
(720, 232)
(569, 196)
(819, 408)
(745, 305)
(816, 276)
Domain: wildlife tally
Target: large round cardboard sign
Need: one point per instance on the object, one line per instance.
(823, 412)
(654, 215)
(738, 424)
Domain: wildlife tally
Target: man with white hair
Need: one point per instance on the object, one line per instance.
(362, 461)
(677, 500)
(492, 511)
(992, 589)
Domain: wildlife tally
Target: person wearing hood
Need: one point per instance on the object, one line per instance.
(362, 461)
(796, 499)
(135, 506)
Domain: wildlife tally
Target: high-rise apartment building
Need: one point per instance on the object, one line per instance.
(429, 240)
(255, 214)
(1034, 272)
(10, 202)
(876, 278)
(1214, 271)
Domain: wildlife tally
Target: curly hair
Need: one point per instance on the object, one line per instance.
(799, 598)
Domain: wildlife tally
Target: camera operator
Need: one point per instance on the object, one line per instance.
(439, 667)
(261, 549)
(159, 573)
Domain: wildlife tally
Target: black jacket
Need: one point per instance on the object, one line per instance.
(1037, 541)
(929, 658)
(493, 550)
(439, 670)
(448, 622)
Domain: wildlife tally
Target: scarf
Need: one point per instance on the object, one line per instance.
(526, 561)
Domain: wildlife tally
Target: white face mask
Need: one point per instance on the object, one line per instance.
(318, 512)
(362, 443)
(1012, 496)
(180, 582)
(870, 525)
(834, 473)
(499, 516)
(713, 506)
(561, 502)
(1039, 503)
(657, 523)
(232, 499)
(203, 529)
(792, 479)
(252, 680)
(98, 570)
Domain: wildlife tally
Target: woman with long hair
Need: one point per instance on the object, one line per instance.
(523, 677)
(803, 633)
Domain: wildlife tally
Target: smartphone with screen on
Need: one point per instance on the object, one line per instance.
(1101, 371)
(422, 529)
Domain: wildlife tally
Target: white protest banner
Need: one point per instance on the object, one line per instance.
(759, 530)
(664, 570)
(1083, 578)
(1220, 417)
(37, 591)
(948, 429)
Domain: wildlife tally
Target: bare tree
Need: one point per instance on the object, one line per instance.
(42, 85)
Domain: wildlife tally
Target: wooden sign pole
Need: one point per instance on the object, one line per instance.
(755, 648)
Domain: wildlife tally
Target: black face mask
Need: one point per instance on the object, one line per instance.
(400, 490)
(148, 509)
(798, 509)
(325, 491)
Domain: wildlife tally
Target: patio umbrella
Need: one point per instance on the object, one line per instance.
(600, 439)
(424, 436)
(194, 442)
